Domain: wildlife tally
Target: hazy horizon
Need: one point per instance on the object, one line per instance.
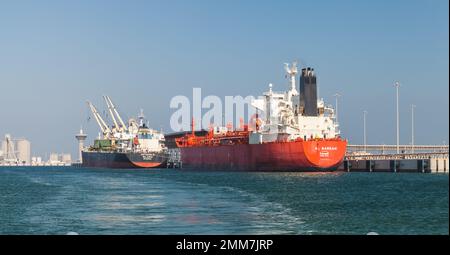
(56, 55)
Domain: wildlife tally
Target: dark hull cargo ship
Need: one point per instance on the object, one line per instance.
(124, 146)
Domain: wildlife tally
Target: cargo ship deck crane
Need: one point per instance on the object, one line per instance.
(103, 126)
(112, 108)
(111, 112)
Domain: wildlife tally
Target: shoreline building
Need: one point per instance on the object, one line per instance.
(16, 150)
(60, 159)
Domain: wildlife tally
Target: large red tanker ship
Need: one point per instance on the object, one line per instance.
(291, 131)
(233, 152)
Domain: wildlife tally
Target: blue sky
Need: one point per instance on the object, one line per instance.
(55, 55)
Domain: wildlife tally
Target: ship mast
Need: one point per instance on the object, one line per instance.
(141, 118)
(291, 72)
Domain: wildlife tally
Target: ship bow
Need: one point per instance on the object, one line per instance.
(325, 154)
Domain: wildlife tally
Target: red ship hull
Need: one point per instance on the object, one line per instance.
(312, 155)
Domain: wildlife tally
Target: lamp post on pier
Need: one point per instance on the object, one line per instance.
(397, 85)
(412, 128)
(365, 137)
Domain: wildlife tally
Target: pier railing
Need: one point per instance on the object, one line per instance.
(382, 149)
(389, 152)
(420, 155)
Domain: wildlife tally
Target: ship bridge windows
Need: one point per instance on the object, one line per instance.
(145, 136)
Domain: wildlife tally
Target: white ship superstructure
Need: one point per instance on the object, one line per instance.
(134, 137)
(290, 115)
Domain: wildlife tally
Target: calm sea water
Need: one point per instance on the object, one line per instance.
(104, 201)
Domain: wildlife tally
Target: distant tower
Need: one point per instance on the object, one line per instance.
(80, 137)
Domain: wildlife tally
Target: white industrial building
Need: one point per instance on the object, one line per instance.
(16, 150)
(60, 159)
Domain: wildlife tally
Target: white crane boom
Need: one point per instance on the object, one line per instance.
(103, 126)
(111, 113)
(123, 126)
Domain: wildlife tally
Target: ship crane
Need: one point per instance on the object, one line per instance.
(113, 109)
(103, 126)
(111, 113)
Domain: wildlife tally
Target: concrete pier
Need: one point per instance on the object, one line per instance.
(439, 165)
(424, 162)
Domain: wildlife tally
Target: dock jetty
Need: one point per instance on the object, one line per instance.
(384, 158)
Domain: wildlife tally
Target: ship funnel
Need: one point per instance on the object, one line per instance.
(308, 92)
